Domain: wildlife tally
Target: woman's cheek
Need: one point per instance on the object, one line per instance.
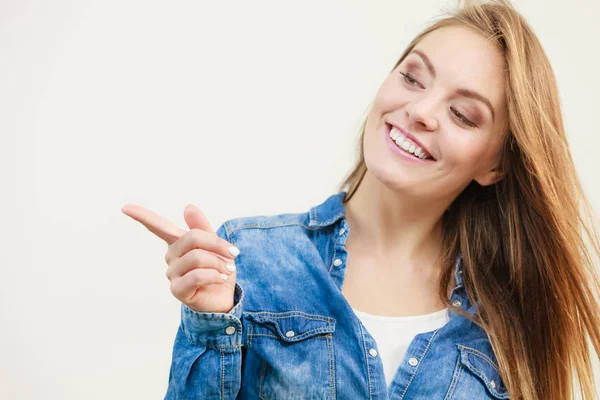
(469, 157)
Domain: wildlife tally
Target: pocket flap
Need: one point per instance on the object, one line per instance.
(483, 367)
(293, 326)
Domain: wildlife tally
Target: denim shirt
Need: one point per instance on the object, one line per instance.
(291, 334)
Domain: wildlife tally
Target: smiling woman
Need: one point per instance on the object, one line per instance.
(454, 263)
(476, 92)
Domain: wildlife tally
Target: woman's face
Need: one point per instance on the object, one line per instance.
(442, 94)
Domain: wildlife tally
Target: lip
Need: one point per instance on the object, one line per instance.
(394, 147)
(410, 136)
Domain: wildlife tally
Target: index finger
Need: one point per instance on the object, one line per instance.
(161, 227)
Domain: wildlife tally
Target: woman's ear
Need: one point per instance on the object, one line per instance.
(490, 177)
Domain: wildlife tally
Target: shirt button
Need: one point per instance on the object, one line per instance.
(373, 352)
(342, 231)
(230, 330)
(290, 334)
(456, 303)
(493, 384)
(337, 262)
(413, 361)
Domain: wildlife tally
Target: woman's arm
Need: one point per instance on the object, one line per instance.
(207, 354)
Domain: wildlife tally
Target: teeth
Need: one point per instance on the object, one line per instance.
(406, 145)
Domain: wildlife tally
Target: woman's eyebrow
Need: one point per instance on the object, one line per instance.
(426, 60)
(462, 91)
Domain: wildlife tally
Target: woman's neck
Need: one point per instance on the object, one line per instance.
(387, 224)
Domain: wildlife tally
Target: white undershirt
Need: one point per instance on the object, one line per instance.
(393, 335)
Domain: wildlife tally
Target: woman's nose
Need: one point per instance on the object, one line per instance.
(422, 115)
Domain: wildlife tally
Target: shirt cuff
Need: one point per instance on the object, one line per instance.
(215, 329)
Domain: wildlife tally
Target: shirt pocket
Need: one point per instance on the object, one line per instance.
(476, 376)
(295, 355)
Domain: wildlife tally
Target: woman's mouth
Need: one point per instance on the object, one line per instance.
(408, 146)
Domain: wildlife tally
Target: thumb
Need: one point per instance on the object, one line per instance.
(195, 219)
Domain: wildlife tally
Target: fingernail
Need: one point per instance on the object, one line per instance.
(224, 277)
(231, 267)
(234, 251)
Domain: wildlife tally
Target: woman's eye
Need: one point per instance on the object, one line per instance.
(413, 82)
(409, 79)
(462, 117)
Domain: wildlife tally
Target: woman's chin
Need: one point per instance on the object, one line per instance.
(396, 179)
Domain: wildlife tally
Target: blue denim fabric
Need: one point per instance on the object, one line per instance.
(295, 336)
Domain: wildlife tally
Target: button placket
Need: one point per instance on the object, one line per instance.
(340, 236)
(374, 367)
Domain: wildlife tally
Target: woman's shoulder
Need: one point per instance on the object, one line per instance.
(319, 216)
(277, 253)
(263, 239)
(236, 225)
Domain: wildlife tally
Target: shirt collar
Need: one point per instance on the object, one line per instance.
(328, 212)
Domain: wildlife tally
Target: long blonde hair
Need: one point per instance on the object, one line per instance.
(529, 242)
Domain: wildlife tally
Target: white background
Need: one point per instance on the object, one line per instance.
(241, 108)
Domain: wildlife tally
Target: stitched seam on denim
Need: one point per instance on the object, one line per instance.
(331, 365)
(455, 377)
(279, 337)
(214, 317)
(328, 329)
(222, 375)
(294, 338)
(313, 214)
(367, 360)
(282, 225)
(480, 354)
(263, 334)
(483, 375)
(219, 346)
(293, 314)
(323, 223)
(324, 319)
(311, 332)
(262, 380)
(194, 340)
(249, 334)
(227, 231)
(331, 220)
(485, 380)
(419, 364)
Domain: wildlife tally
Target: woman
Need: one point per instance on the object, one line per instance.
(452, 264)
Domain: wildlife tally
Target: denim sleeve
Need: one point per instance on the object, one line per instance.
(207, 354)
